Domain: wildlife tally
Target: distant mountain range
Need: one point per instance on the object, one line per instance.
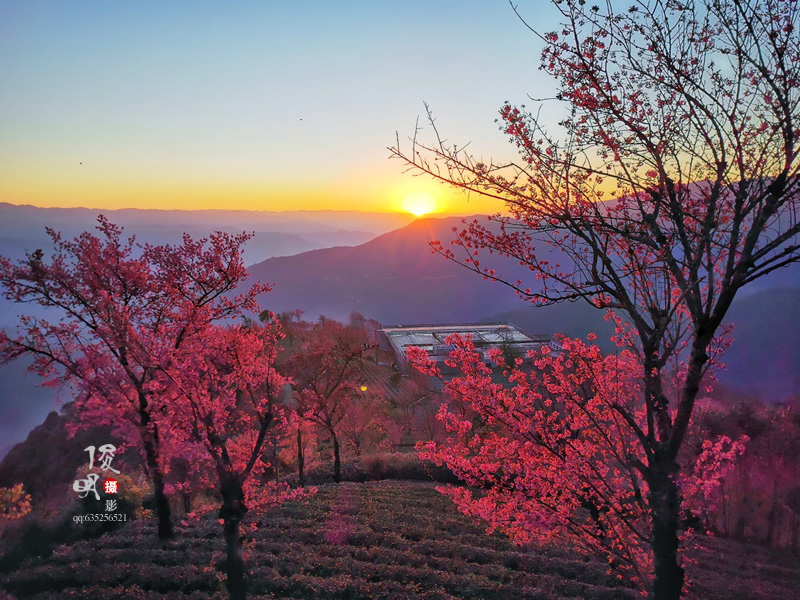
(395, 279)
(276, 233)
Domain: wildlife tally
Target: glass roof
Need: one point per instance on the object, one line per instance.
(433, 335)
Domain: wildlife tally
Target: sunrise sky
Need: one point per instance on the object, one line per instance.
(252, 105)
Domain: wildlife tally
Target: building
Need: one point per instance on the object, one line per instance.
(433, 339)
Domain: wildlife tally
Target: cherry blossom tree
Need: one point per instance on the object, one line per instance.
(553, 453)
(757, 497)
(686, 113)
(113, 310)
(365, 420)
(325, 367)
(217, 401)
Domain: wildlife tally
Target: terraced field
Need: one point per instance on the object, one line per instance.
(394, 540)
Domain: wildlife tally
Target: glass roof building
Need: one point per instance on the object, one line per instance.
(432, 339)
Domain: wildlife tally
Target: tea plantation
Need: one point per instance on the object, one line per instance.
(394, 540)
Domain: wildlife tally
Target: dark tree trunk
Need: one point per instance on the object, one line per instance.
(741, 523)
(724, 495)
(661, 476)
(772, 518)
(232, 512)
(163, 510)
(665, 507)
(300, 458)
(337, 462)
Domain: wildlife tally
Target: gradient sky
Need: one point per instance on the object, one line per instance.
(254, 105)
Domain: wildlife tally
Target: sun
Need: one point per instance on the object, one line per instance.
(419, 203)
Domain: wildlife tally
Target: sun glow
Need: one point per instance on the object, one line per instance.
(419, 203)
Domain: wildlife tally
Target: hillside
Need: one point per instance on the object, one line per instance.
(48, 459)
(395, 279)
(764, 359)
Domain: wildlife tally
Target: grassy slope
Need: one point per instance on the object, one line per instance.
(374, 540)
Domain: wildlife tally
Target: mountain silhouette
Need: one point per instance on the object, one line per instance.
(394, 278)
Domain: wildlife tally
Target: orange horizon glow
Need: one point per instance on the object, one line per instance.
(414, 195)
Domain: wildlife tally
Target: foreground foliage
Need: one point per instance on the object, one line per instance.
(140, 332)
(219, 399)
(686, 113)
(110, 313)
(377, 540)
(550, 454)
(14, 502)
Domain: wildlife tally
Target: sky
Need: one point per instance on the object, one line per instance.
(253, 105)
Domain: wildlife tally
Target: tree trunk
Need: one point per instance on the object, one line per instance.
(724, 495)
(232, 512)
(741, 523)
(300, 458)
(234, 564)
(772, 518)
(337, 463)
(163, 509)
(149, 436)
(276, 472)
(665, 507)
